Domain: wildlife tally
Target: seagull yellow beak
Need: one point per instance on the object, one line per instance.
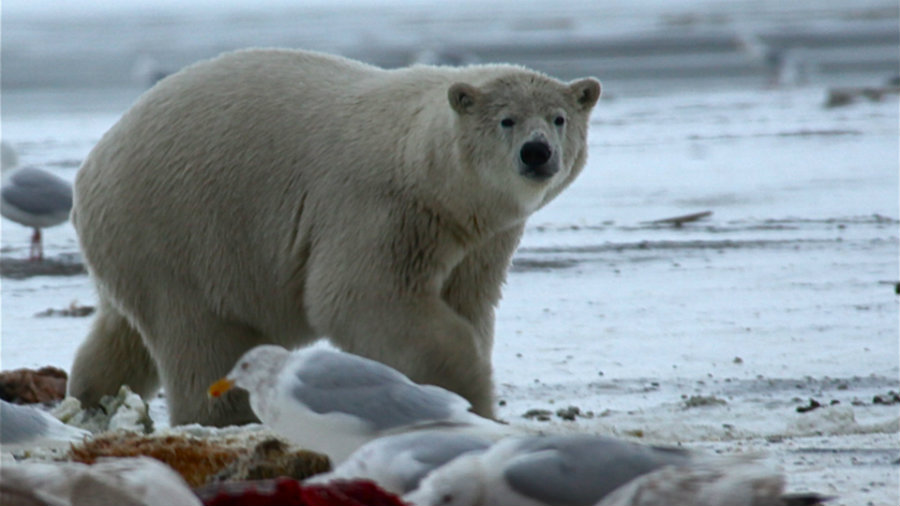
(220, 387)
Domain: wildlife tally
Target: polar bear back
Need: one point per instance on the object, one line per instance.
(201, 159)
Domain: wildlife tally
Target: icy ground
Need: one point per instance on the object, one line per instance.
(710, 335)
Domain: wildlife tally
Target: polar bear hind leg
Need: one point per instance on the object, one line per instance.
(112, 355)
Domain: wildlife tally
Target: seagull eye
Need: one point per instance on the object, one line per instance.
(559, 121)
(245, 366)
(447, 499)
(507, 122)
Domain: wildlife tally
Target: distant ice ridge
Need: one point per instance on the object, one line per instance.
(633, 43)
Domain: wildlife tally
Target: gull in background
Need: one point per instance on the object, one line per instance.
(32, 197)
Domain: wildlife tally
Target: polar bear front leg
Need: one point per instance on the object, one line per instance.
(442, 348)
(425, 339)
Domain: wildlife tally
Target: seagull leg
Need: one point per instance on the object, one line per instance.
(36, 253)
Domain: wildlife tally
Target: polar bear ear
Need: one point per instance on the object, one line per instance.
(463, 97)
(586, 92)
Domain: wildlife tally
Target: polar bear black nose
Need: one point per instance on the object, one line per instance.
(535, 153)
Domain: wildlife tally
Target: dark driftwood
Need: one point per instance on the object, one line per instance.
(843, 96)
(680, 220)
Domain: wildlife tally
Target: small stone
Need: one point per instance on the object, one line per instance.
(887, 399)
(541, 415)
(703, 400)
(813, 404)
(569, 413)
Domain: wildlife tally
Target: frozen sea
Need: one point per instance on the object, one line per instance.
(708, 335)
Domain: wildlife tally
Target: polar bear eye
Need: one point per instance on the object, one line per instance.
(507, 122)
(559, 121)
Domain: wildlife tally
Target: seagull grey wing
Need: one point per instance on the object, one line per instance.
(432, 450)
(436, 449)
(20, 424)
(332, 382)
(580, 470)
(37, 192)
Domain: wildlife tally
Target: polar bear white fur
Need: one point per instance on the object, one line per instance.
(278, 196)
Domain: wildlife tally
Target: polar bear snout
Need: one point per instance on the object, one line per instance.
(537, 160)
(535, 153)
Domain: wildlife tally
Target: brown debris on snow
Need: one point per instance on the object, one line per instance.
(193, 458)
(273, 458)
(200, 461)
(74, 310)
(29, 386)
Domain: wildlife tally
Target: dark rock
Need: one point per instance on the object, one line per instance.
(541, 415)
(813, 404)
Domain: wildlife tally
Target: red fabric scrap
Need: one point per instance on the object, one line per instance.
(289, 492)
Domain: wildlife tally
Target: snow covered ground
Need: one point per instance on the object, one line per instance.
(709, 335)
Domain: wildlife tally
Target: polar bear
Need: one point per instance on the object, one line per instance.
(279, 196)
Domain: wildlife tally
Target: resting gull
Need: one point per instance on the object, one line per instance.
(398, 463)
(33, 197)
(27, 426)
(334, 402)
(587, 470)
(138, 481)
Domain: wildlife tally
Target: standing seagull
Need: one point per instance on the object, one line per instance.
(335, 402)
(33, 197)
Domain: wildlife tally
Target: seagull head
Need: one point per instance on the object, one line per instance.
(255, 371)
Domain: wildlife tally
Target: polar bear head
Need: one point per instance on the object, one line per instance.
(524, 132)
